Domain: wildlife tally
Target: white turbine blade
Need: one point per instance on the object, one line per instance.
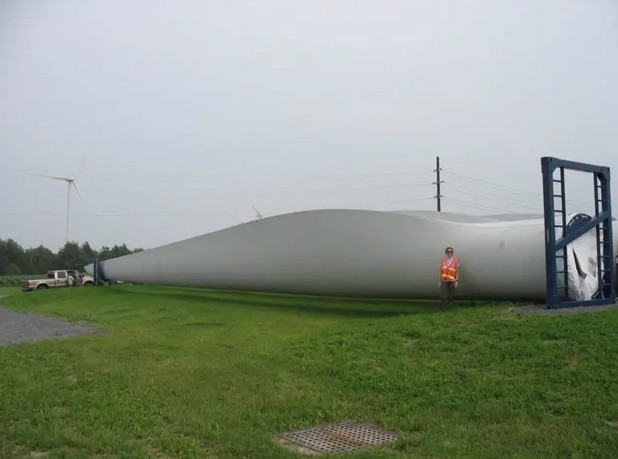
(79, 167)
(55, 177)
(257, 212)
(78, 193)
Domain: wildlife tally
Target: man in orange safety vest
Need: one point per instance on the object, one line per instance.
(449, 278)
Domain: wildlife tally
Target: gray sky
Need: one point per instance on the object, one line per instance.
(187, 113)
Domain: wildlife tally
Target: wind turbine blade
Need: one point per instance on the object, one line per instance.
(55, 177)
(78, 193)
(257, 212)
(79, 167)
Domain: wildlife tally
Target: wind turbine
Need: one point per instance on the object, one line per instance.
(70, 181)
(257, 213)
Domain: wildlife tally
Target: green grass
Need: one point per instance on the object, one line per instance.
(192, 373)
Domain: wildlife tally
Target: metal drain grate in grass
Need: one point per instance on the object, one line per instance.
(338, 438)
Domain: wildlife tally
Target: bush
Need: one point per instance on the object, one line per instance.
(13, 281)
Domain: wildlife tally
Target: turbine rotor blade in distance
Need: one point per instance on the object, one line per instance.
(55, 177)
(79, 167)
(257, 212)
(78, 193)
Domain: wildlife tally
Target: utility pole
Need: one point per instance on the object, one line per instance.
(437, 183)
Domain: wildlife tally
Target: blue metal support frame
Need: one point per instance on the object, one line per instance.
(99, 277)
(556, 246)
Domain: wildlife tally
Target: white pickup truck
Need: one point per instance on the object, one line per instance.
(58, 278)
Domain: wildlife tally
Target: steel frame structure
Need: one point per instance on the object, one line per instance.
(99, 278)
(555, 214)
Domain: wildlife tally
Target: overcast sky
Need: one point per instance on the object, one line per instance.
(188, 113)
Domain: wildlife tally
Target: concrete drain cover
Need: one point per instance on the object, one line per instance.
(338, 438)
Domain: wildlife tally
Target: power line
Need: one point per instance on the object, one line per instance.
(504, 188)
(513, 201)
(495, 186)
(475, 205)
(431, 198)
(529, 197)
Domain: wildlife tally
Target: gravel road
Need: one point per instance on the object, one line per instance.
(22, 327)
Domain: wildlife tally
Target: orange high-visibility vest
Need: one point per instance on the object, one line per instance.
(449, 273)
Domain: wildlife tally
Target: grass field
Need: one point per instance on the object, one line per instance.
(192, 373)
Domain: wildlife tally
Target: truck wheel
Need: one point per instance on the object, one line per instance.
(41, 287)
(88, 284)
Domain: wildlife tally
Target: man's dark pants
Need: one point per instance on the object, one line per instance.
(447, 294)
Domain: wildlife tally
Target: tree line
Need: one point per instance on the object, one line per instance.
(15, 260)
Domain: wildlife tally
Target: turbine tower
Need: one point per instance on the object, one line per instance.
(70, 181)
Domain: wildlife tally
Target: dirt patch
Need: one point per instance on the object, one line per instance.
(23, 327)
